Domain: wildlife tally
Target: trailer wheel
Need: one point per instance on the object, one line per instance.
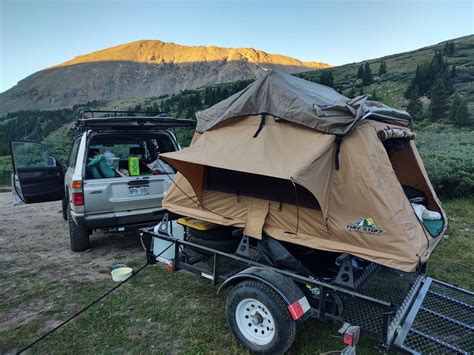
(259, 318)
(219, 233)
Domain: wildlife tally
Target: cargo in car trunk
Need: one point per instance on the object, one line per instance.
(124, 171)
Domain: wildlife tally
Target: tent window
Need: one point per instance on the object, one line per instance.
(260, 186)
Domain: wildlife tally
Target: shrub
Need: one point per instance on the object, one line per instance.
(448, 156)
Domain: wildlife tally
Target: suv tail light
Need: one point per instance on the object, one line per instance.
(77, 198)
(77, 194)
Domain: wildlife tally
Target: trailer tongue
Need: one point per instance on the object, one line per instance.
(409, 311)
(441, 320)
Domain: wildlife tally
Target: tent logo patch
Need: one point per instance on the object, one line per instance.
(364, 225)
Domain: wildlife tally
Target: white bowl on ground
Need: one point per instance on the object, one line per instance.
(121, 273)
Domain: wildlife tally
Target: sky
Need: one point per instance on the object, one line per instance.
(35, 34)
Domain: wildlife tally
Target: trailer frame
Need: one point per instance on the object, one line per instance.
(382, 314)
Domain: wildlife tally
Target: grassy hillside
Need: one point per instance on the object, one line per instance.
(391, 86)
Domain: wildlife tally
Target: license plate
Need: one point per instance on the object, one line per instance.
(137, 191)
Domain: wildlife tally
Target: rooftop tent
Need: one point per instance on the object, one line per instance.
(264, 160)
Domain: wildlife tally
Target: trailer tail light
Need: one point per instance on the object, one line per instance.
(299, 308)
(77, 199)
(351, 335)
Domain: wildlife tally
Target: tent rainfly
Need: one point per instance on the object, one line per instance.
(301, 163)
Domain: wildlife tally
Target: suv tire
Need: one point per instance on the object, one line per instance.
(78, 234)
(64, 203)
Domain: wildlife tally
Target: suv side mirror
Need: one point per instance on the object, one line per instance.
(51, 162)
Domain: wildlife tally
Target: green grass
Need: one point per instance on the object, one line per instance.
(453, 261)
(180, 312)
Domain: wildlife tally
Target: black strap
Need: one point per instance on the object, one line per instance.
(262, 123)
(338, 148)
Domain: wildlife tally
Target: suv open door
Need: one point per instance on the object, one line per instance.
(37, 174)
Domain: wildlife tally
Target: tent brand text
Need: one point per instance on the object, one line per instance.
(364, 225)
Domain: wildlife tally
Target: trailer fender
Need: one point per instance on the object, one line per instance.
(298, 304)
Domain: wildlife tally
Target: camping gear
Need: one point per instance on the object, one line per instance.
(423, 213)
(390, 133)
(301, 163)
(165, 249)
(121, 273)
(134, 166)
(160, 167)
(100, 169)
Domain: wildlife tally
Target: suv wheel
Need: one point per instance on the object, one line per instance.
(64, 207)
(78, 234)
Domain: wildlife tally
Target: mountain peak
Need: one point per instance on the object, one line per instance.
(145, 68)
(159, 52)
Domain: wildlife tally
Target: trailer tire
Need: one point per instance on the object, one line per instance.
(259, 318)
(225, 245)
(64, 203)
(78, 234)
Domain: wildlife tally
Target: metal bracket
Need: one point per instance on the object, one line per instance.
(164, 226)
(243, 249)
(345, 276)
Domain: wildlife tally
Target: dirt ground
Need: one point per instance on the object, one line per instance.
(34, 239)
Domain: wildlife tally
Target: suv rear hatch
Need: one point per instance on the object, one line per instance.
(123, 175)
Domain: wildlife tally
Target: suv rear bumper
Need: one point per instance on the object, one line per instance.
(117, 219)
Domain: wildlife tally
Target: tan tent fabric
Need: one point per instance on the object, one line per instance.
(299, 101)
(362, 210)
(272, 153)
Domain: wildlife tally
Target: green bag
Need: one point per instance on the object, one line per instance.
(134, 166)
(100, 169)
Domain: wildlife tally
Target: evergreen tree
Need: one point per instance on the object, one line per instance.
(459, 114)
(360, 72)
(326, 78)
(367, 77)
(374, 96)
(426, 75)
(361, 91)
(352, 93)
(382, 68)
(454, 72)
(415, 107)
(448, 49)
(438, 95)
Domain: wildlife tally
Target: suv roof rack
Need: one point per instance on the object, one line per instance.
(127, 120)
(115, 113)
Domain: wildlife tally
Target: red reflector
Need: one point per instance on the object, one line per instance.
(77, 198)
(296, 310)
(351, 335)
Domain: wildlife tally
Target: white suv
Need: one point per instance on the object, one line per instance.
(114, 179)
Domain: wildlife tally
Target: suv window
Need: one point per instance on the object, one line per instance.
(127, 155)
(73, 154)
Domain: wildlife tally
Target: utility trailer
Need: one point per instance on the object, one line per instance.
(411, 312)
